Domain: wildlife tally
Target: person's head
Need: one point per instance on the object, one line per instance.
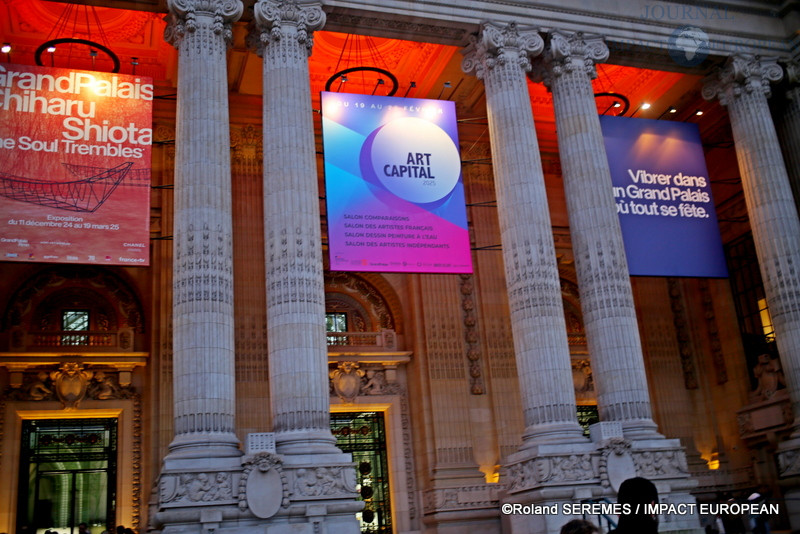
(633, 492)
(120, 529)
(579, 526)
(83, 527)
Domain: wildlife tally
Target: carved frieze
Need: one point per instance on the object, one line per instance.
(471, 337)
(551, 470)
(328, 481)
(197, 488)
(717, 355)
(789, 463)
(660, 463)
(461, 498)
(682, 331)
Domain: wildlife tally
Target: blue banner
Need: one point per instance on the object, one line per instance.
(394, 191)
(663, 196)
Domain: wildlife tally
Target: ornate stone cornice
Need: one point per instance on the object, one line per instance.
(278, 19)
(569, 52)
(500, 44)
(183, 17)
(742, 74)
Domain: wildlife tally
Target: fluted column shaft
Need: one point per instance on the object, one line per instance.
(203, 334)
(612, 333)
(743, 87)
(788, 127)
(500, 57)
(295, 287)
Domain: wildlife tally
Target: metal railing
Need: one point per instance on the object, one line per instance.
(610, 524)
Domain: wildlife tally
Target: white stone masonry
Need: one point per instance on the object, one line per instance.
(743, 86)
(612, 334)
(298, 361)
(499, 56)
(203, 334)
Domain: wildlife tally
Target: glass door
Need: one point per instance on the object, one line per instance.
(364, 436)
(67, 475)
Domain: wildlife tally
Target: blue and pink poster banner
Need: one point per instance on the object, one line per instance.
(394, 190)
(663, 196)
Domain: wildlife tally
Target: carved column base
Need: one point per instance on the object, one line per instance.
(306, 442)
(199, 446)
(448, 509)
(262, 492)
(561, 476)
(789, 473)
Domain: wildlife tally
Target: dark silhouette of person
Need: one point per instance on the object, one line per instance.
(579, 526)
(633, 492)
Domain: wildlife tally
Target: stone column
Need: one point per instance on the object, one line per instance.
(788, 126)
(298, 356)
(203, 336)
(612, 333)
(742, 85)
(499, 56)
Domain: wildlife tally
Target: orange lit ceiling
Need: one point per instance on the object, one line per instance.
(434, 69)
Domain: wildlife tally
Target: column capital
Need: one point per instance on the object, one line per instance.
(568, 52)
(742, 74)
(498, 44)
(793, 72)
(285, 19)
(183, 17)
(793, 77)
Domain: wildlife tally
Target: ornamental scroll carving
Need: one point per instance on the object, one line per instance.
(70, 384)
(285, 19)
(501, 45)
(346, 381)
(371, 381)
(570, 52)
(183, 17)
(742, 74)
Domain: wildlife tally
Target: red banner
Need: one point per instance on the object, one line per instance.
(74, 166)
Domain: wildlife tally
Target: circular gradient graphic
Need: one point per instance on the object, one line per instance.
(415, 160)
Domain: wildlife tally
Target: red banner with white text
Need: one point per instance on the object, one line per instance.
(74, 166)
